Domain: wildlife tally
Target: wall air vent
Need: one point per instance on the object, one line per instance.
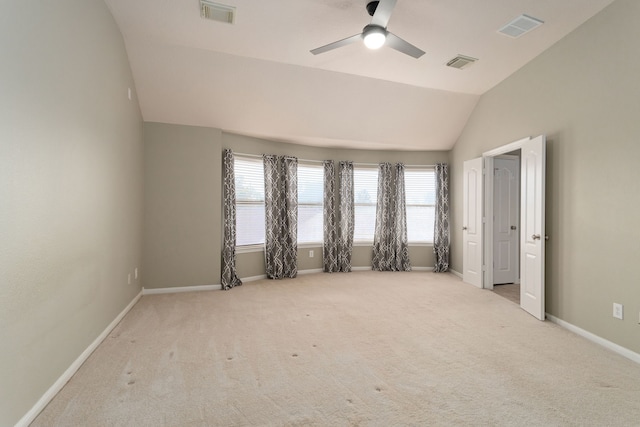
(461, 62)
(217, 12)
(519, 26)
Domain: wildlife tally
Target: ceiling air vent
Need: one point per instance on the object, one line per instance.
(519, 26)
(461, 62)
(217, 12)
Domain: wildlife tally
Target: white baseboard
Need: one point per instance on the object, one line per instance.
(319, 270)
(253, 278)
(368, 268)
(622, 351)
(455, 273)
(71, 370)
(155, 291)
(311, 271)
(264, 276)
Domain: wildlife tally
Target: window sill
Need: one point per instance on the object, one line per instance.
(309, 245)
(411, 244)
(260, 247)
(249, 248)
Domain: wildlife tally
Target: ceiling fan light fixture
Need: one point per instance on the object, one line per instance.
(374, 40)
(374, 37)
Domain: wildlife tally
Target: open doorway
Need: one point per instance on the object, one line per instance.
(506, 221)
(478, 224)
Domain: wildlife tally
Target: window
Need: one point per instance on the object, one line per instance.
(249, 178)
(249, 201)
(310, 203)
(365, 195)
(420, 199)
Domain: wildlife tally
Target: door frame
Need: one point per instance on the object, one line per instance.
(515, 205)
(488, 157)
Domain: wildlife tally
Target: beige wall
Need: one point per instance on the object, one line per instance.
(183, 203)
(584, 94)
(70, 190)
(249, 264)
(182, 206)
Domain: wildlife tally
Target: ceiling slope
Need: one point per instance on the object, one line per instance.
(257, 76)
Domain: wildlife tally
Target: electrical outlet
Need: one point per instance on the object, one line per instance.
(311, 254)
(618, 311)
(129, 278)
(135, 273)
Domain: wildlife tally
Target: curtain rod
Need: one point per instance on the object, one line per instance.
(259, 156)
(406, 165)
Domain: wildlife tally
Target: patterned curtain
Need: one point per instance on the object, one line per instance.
(345, 238)
(229, 277)
(281, 216)
(441, 223)
(400, 245)
(330, 245)
(390, 247)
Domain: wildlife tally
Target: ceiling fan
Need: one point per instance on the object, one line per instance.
(375, 35)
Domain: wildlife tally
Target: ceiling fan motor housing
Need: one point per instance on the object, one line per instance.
(374, 36)
(371, 7)
(368, 29)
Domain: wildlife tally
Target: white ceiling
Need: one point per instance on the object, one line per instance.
(257, 76)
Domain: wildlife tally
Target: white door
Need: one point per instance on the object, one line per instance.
(506, 219)
(472, 222)
(532, 227)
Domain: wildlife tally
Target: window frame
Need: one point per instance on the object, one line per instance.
(251, 247)
(319, 167)
(408, 170)
(374, 203)
(256, 247)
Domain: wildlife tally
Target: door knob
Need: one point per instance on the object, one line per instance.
(513, 227)
(464, 228)
(536, 237)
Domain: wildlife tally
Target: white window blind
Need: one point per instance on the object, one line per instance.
(249, 178)
(310, 203)
(365, 194)
(420, 198)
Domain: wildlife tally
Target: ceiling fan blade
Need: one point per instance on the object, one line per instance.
(400, 45)
(337, 44)
(383, 13)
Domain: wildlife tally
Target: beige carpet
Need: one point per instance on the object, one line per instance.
(510, 291)
(357, 349)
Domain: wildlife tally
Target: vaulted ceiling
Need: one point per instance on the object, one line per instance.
(257, 77)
